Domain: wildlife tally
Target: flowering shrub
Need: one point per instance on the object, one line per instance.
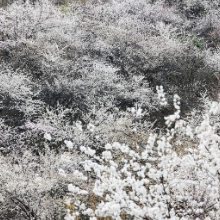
(85, 130)
(154, 182)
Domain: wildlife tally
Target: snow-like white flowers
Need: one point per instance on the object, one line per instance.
(47, 137)
(69, 144)
(161, 95)
(176, 102)
(39, 179)
(116, 145)
(88, 212)
(91, 127)
(215, 108)
(152, 139)
(113, 178)
(189, 131)
(62, 172)
(107, 155)
(171, 118)
(137, 112)
(108, 146)
(76, 190)
(180, 124)
(69, 216)
(79, 125)
(88, 151)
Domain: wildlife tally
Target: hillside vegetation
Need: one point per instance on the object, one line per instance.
(109, 109)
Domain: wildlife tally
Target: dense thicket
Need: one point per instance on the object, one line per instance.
(109, 108)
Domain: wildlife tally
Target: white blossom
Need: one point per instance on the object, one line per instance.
(47, 137)
(69, 144)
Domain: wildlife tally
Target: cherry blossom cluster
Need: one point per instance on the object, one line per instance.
(137, 187)
(172, 118)
(161, 95)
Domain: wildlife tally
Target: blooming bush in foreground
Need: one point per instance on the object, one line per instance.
(155, 182)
